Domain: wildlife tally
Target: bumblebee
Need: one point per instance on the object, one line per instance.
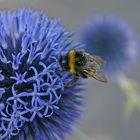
(82, 64)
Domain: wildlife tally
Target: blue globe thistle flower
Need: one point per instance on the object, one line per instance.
(35, 102)
(113, 40)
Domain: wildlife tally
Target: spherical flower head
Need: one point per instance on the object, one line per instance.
(35, 101)
(113, 40)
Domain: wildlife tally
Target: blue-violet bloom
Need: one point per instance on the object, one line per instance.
(35, 101)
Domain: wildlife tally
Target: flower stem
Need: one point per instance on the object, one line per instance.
(131, 89)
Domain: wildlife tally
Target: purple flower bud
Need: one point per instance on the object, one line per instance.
(113, 40)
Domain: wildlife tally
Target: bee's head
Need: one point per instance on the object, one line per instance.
(64, 62)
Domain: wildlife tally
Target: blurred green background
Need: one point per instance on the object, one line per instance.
(103, 113)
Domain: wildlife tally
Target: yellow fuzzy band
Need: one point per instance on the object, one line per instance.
(72, 61)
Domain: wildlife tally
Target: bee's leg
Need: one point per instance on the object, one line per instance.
(84, 74)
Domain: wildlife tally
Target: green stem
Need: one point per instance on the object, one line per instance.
(131, 89)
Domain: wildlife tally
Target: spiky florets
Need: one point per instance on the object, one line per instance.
(33, 99)
(113, 40)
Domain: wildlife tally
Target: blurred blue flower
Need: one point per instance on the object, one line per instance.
(35, 102)
(113, 40)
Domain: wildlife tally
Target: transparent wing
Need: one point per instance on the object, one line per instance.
(99, 60)
(100, 77)
(94, 60)
(97, 75)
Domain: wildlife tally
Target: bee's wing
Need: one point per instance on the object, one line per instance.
(100, 77)
(100, 61)
(95, 59)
